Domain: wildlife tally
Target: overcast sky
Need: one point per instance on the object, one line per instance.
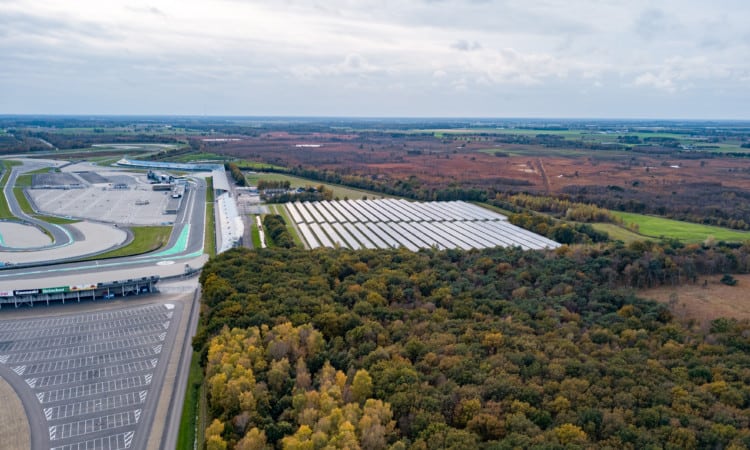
(435, 58)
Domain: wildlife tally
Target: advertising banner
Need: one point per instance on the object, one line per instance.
(27, 292)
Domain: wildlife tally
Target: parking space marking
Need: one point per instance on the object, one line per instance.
(90, 361)
(94, 374)
(64, 341)
(26, 333)
(121, 441)
(97, 405)
(83, 318)
(101, 347)
(91, 373)
(89, 426)
(102, 387)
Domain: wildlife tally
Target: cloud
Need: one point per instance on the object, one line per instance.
(660, 81)
(466, 46)
(378, 49)
(351, 65)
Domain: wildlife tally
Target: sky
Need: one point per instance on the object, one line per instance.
(681, 59)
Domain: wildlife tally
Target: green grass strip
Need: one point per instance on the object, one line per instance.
(145, 239)
(657, 227)
(255, 232)
(188, 421)
(209, 238)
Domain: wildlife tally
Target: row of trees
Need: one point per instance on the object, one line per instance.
(237, 175)
(497, 348)
(560, 207)
(276, 229)
(273, 184)
(558, 230)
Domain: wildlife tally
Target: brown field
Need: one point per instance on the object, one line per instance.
(439, 161)
(705, 303)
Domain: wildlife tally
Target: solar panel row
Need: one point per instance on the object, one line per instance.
(391, 223)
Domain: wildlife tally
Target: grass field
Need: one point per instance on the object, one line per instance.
(656, 227)
(255, 233)
(145, 239)
(197, 156)
(338, 191)
(617, 233)
(209, 238)
(186, 437)
(252, 165)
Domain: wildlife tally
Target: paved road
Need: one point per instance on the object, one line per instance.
(60, 236)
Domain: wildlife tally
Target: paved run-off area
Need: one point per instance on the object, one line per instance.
(96, 238)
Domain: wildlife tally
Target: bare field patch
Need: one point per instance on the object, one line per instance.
(706, 300)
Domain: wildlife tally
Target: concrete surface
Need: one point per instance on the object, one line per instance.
(97, 238)
(137, 205)
(17, 235)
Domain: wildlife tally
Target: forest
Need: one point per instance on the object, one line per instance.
(492, 349)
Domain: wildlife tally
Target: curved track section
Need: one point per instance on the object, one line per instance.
(60, 236)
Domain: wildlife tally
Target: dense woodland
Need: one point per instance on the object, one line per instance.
(488, 349)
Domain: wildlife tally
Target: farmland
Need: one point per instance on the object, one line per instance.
(397, 223)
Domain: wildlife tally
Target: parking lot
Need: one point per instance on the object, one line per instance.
(133, 202)
(96, 376)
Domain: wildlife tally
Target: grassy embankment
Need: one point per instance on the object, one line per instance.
(145, 240)
(657, 227)
(255, 233)
(192, 419)
(7, 165)
(617, 233)
(209, 238)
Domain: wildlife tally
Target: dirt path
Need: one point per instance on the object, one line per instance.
(14, 426)
(545, 180)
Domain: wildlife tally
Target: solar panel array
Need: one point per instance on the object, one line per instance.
(391, 223)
